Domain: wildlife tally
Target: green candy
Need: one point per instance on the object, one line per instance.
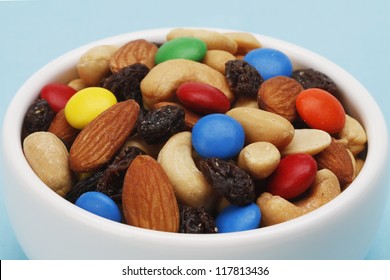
(182, 47)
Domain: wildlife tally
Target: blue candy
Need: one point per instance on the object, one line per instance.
(99, 204)
(269, 62)
(217, 135)
(238, 218)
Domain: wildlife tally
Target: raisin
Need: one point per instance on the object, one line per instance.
(243, 78)
(159, 125)
(196, 220)
(310, 78)
(87, 184)
(111, 182)
(38, 117)
(125, 84)
(227, 179)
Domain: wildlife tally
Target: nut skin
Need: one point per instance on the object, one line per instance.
(62, 129)
(97, 143)
(337, 159)
(148, 198)
(137, 51)
(278, 95)
(275, 209)
(162, 81)
(48, 157)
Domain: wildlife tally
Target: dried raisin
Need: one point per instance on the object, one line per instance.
(310, 78)
(229, 180)
(111, 182)
(196, 220)
(243, 78)
(160, 124)
(38, 117)
(125, 84)
(85, 185)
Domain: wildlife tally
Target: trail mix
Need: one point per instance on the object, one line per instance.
(207, 132)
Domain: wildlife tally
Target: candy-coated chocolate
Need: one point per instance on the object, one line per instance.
(269, 62)
(293, 176)
(87, 104)
(321, 110)
(99, 204)
(57, 95)
(182, 47)
(202, 98)
(238, 218)
(217, 135)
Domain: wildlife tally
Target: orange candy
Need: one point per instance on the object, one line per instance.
(320, 110)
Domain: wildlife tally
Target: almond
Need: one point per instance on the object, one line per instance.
(97, 143)
(148, 198)
(137, 51)
(62, 129)
(278, 95)
(337, 159)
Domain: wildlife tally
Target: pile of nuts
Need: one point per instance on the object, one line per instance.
(207, 132)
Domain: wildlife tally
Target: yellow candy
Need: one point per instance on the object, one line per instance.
(87, 104)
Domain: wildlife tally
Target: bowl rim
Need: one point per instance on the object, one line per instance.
(374, 166)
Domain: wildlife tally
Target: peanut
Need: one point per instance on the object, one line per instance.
(260, 125)
(309, 141)
(216, 59)
(353, 135)
(260, 159)
(48, 157)
(94, 64)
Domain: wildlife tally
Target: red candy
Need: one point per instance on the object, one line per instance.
(293, 176)
(320, 110)
(57, 95)
(202, 98)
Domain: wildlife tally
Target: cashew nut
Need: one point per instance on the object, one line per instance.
(190, 186)
(217, 59)
(353, 135)
(260, 125)
(94, 64)
(161, 82)
(260, 159)
(309, 141)
(275, 209)
(213, 39)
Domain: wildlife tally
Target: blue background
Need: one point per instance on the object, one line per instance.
(353, 34)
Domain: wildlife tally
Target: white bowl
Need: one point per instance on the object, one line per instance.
(49, 227)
